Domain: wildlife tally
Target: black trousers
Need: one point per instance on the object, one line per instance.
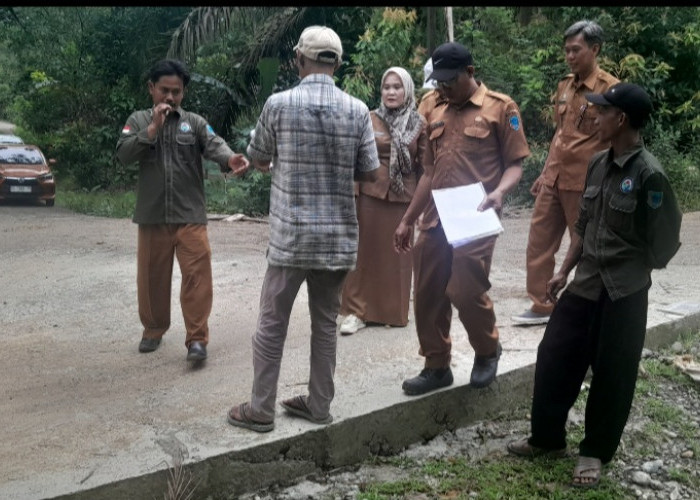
(606, 336)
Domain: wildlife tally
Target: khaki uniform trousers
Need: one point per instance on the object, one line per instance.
(445, 277)
(554, 211)
(157, 246)
(279, 290)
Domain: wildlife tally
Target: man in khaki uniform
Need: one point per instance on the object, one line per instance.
(476, 137)
(558, 188)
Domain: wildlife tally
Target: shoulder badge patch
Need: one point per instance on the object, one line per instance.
(210, 130)
(126, 129)
(514, 122)
(626, 185)
(655, 199)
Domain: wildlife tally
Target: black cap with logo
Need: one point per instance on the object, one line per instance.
(629, 97)
(448, 59)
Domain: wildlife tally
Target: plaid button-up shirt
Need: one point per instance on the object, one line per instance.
(317, 137)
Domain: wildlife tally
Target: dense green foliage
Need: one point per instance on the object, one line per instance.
(72, 75)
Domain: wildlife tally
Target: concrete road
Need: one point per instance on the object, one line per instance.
(86, 416)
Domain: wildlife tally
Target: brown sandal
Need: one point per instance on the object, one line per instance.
(297, 406)
(523, 448)
(587, 472)
(238, 416)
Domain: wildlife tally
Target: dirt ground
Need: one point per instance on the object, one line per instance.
(68, 305)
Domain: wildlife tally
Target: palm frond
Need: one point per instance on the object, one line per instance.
(201, 25)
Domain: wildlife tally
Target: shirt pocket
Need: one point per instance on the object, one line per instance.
(186, 147)
(476, 133)
(621, 210)
(587, 199)
(477, 143)
(561, 114)
(435, 139)
(585, 119)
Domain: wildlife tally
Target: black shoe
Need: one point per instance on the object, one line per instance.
(428, 380)
(148, 345)
(484, 370)
(196, 351)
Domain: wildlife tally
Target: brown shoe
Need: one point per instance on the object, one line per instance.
(523, 448)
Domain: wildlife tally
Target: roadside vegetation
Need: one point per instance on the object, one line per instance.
(656, 415)
(72, 76)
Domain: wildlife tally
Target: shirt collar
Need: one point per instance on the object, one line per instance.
(590, 80)
(477, 98)
(317, 78)
(621, 160)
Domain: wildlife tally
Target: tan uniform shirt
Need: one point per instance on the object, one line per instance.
(381, 187)
(473, 142)
(576, 138)
(429, 102)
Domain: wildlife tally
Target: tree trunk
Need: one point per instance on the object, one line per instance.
(430, 29)
(525, 15)
(450, 24)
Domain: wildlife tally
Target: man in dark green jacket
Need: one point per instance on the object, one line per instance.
(168, 143)
(629, 223)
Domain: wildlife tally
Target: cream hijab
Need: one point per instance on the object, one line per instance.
(405, 123)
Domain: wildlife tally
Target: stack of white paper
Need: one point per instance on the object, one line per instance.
(461, 221)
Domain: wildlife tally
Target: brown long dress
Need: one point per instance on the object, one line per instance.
(378, 290)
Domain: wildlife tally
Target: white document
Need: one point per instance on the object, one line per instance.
(460, 219)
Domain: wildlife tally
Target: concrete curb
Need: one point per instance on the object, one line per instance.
(381, 432)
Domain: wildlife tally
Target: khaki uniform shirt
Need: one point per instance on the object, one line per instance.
(576, 137)
(171, 178)
(381, 187)
(474, 142)
(629, 221)
(429, 102)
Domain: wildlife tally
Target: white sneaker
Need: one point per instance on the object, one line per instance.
(351, 324)
(529, 317)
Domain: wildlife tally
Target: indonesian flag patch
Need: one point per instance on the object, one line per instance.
(126, 129)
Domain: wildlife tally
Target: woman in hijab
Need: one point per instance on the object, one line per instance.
(379, 288)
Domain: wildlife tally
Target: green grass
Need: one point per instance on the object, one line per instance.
(99, 203)
(502, 477)
(248, 195)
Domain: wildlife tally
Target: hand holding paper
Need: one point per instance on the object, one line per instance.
(461, 220)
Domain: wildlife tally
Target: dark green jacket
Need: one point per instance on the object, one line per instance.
(171, 177)
(629, 221)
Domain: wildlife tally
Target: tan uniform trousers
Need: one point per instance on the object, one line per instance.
(554, 211)
(279, 290)
(444, 277)
(157, 246)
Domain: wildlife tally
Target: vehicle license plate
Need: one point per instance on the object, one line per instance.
(20, 189)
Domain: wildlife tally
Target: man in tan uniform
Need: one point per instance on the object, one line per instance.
(558, 188)
(476, 137)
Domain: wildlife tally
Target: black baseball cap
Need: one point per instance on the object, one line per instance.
(630, 98)
(448, 59)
